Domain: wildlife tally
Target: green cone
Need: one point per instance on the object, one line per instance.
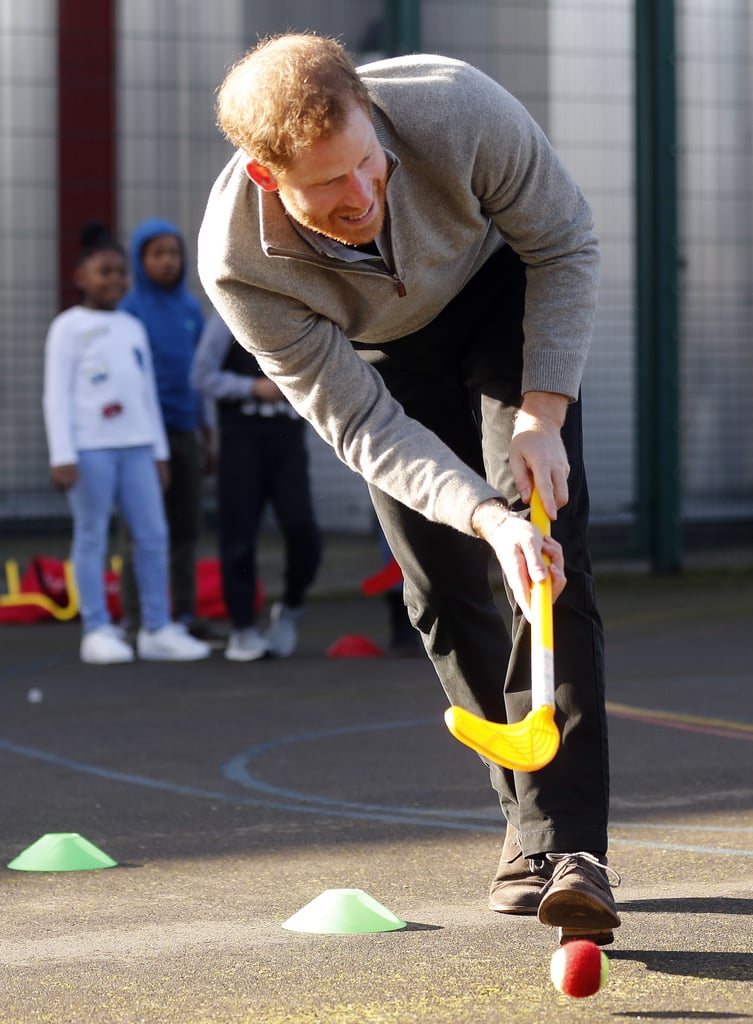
(62, 851)
(344, 912)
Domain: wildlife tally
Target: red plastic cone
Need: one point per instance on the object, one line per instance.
(354, 646)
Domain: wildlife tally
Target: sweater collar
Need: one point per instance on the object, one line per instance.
(280, 232)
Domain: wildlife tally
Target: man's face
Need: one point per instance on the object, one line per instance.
(337, 186)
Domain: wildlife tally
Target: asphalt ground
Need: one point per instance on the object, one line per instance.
(232, 795)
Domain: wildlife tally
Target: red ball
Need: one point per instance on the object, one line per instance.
(579, 969)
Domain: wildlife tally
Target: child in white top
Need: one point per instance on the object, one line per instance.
(107, 445)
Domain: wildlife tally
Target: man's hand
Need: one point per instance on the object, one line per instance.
(520, 550)
(537, 454)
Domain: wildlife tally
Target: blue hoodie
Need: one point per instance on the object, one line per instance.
(173, 319)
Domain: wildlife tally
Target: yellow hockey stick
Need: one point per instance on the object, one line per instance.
(530, 744)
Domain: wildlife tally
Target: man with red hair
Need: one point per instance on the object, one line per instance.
(408, 259)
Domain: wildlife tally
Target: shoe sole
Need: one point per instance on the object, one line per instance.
(599, 938)
(107, 661)
(232, 656)
(577, 911)
(174, 657)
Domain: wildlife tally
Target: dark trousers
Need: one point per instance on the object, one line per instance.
(461, 377)
(266, 464)
(183, 513)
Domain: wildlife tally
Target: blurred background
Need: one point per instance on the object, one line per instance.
(107, 112)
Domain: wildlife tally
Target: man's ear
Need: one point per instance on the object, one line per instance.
(261, 176)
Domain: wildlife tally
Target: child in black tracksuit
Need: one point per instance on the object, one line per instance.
(262, 459)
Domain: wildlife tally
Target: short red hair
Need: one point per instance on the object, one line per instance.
(286, 93)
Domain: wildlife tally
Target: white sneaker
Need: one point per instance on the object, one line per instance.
(105, 646)
(171, 642)
(246, 645)
(282, 635)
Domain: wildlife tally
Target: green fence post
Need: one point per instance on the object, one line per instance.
(403, 20)
(658, 466)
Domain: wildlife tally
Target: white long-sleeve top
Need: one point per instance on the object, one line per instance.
(99, 387)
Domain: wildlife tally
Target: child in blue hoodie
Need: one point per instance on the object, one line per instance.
(173, 318)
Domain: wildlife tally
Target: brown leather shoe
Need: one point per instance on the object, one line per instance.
(578, 898)
(517, 886)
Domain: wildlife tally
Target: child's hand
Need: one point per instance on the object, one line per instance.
(266, 390)
(163, 472)
(207, 454)
(64, 477)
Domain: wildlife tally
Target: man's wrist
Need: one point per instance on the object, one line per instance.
(488, 516)
(545, 405)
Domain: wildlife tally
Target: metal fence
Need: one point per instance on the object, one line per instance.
(572, 62)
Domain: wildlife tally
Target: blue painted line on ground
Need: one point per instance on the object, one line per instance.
(447, 819)
(663, 826)
(681, 847)
(236, 770)
(235, 799)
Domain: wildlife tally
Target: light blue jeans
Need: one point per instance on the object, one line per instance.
(126, 477)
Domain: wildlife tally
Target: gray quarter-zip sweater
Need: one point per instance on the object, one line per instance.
(470, 172)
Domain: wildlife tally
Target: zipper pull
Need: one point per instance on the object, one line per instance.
(402, 291)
